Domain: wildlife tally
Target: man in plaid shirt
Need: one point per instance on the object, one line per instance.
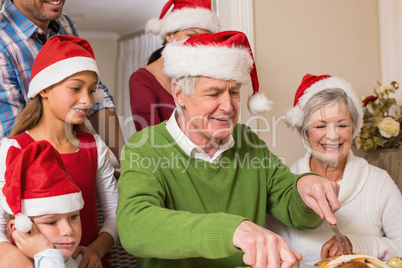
(24, 28)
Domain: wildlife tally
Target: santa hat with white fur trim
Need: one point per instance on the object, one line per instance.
(311, 85)
(37, 183)
(61, 57)
(224, 55)
(184, 15)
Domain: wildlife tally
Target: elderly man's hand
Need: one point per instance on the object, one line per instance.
(321, 195)
(263, 248)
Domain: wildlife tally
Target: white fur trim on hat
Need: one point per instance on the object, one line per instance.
(218, 62)
(259, 103)
(182, 19)
(59, 71)
(48, 205)
(294, 116)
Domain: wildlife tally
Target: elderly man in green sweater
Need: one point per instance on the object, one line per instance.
(194, 190)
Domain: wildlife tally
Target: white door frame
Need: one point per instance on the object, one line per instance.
(237, 15)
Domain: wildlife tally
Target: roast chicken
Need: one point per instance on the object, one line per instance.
(356, 260)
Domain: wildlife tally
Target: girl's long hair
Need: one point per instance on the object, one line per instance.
(32, 113)
(29, 117)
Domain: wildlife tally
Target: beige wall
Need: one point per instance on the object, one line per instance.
(292, 38)
(106, 57)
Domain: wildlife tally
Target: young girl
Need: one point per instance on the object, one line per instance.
(62, 88)
(37, 178)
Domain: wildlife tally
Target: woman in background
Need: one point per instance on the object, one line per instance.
(150, 88)
(328, 115)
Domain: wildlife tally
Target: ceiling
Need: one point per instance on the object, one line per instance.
(113, 19)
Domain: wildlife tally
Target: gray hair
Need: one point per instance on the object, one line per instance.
(187, 85)
(326, 98)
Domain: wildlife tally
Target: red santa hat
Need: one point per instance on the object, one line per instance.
(61, 57)
(311, 85)
(184, 15)
(37, 183)
(224, 55)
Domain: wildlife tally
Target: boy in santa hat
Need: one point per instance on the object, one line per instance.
(44, 206)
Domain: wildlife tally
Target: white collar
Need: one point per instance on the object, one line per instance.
(355, 175)
(189, 147)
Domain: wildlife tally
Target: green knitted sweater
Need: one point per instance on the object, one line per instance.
(178, 211)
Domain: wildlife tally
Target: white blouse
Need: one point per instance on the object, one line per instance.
(370, 214)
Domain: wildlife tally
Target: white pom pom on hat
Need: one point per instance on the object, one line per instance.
(37, 183)
(224, 55)
(23, 223)
(259, 103)
(184, 15)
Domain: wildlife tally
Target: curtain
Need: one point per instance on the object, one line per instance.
(133, 54)
(390, 24)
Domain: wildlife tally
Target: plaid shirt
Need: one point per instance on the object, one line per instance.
(20, 42)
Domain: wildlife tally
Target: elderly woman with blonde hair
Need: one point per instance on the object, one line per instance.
(328, 115)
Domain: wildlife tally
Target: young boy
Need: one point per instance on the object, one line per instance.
(45, 202)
